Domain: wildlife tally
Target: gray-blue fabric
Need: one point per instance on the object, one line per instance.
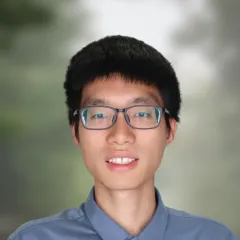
(90, 222)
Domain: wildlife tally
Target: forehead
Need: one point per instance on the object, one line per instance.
(117, 90)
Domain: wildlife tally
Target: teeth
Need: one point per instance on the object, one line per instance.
(121, 160)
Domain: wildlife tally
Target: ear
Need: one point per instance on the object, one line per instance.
(172, 132)
(75, 138)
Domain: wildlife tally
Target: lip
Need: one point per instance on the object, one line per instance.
(121, 155)
(121, 168)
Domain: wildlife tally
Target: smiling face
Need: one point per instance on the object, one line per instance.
(103, 150)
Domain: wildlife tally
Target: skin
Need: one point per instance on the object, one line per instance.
(128, 197)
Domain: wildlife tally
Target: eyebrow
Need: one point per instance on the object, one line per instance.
(150, 99)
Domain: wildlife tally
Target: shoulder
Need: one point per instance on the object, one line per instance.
(183, 223)
(53, 227)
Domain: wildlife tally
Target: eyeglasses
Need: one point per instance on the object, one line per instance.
(104, 117)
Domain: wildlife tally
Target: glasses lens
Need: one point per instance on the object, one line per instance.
(97, 117)
(144, 116)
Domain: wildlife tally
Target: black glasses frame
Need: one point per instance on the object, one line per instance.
(161, 110)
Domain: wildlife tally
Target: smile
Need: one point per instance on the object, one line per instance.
(121, 160)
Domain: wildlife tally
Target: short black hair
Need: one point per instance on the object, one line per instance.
(133, 59)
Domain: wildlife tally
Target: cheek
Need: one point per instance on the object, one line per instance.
(154, 139)
(91, 145)
(151, 145)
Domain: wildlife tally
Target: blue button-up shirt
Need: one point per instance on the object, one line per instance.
(90, 222)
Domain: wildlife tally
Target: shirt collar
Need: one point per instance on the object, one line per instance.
(108, 229)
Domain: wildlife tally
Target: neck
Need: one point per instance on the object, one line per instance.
(131, 209)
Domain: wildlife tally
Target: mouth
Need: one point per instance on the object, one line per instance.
(122, 160)
(122, 164)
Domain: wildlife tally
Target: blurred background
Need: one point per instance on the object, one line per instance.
(41, 170)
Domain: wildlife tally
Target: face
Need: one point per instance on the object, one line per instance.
(122, 141)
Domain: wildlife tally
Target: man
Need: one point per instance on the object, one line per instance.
(123, 102)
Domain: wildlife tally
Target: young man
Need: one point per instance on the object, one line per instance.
(123, 102)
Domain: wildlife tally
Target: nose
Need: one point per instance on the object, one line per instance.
(121, 133)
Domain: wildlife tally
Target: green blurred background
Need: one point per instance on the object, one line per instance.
(41, 170)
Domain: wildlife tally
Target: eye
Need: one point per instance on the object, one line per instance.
(143, 114)
(98, 116)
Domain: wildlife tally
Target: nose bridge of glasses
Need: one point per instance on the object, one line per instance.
(117, 111)
(121, 110)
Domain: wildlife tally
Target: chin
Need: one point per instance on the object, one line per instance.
(121, 185)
